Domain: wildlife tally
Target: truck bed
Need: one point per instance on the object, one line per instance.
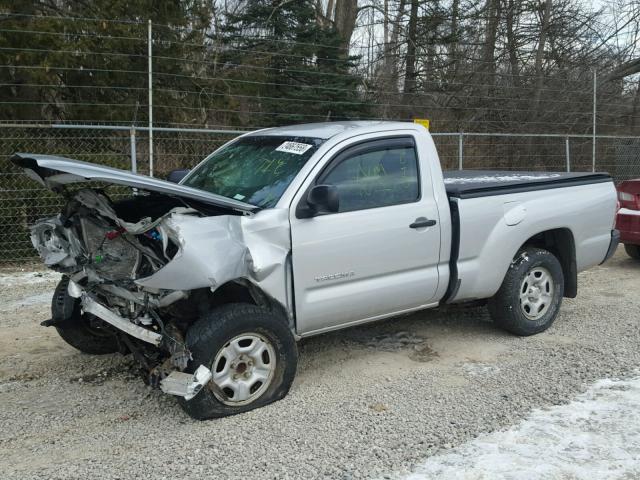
(480, 232)
(483, 183)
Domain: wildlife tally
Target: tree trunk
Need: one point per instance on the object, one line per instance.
(389, 70)
(453, 45)
(346, 13)
(410, 69)
(512, 44)
(319, 12)
(431, 25)
(628, 68)
(385, 24)
(544, 29)
(492, 9)
(636, 104)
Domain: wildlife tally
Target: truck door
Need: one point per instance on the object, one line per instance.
(378, 254)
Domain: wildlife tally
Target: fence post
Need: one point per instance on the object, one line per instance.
(132, 141)
(150, 89)
(593, 142)
(460, 154)
(567, 154)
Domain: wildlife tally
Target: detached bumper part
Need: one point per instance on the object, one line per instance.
(186, 385)
(613, 245)
(89, 305)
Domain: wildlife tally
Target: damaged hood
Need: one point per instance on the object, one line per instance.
(52, 172)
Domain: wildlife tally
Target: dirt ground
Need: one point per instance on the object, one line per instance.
(372, 401)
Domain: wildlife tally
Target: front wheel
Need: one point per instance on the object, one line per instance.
(531, 293)
(252, 356)
(76, 328)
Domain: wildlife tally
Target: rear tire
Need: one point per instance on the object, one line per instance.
(75, 327)
(632, 250)
(252, 355)
(531, 293)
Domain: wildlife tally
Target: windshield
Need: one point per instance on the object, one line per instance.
(255, 169)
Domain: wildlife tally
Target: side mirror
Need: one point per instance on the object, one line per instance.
(176, 175)
(320, 199)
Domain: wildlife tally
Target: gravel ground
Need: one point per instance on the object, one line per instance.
(368, 402)
(595, 436)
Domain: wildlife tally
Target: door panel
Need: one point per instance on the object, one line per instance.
(365, 263)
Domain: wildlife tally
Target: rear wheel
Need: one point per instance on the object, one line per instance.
(531, 293)
(76, 328)
(632, 250)
(252, 356)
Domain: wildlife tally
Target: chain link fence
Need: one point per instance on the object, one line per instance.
(617, 155)
(23, 201)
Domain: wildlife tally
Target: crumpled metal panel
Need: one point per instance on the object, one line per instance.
(211, 250)
(215, 250)
(55, 244)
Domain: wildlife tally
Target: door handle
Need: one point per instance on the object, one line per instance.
(422, 222)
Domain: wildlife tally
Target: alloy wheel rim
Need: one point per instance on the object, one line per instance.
(536, 293)
(244, 368)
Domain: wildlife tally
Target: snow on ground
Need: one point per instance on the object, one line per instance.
(32, 300)
(25, 290)
(27, 278)
(595, 436)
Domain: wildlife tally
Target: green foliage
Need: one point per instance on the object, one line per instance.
(76, 67)
(64, 63)
(299, 69)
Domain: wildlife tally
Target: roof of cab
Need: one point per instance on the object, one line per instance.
(326, 130)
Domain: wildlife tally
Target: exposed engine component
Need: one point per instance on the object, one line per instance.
(104, 255)
(111, 254)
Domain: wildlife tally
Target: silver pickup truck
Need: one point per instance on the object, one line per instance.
(290, 232)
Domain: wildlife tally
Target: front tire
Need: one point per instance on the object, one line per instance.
(75, 327)
(632, 250)
(252, 355)
(531, 293)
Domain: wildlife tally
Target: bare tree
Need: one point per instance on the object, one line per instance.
(512, 44)
(410, 59)
(454, 37)
(545, 22)
(492, 12)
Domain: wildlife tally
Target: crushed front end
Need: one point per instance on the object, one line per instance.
(102, 254)
(140, 271)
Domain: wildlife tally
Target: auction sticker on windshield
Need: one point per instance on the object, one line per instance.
(294, 147)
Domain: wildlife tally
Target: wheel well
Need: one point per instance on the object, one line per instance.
(201, 301)
(560, 242)
(232, 292)
(243, 291)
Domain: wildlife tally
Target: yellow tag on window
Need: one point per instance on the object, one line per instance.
(422, 121)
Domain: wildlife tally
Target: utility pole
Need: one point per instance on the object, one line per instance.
(150, 89)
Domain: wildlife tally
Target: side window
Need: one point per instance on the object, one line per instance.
(376, 178)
